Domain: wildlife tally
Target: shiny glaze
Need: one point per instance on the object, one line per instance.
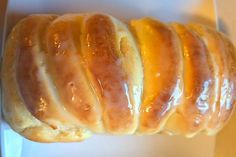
(108, 76)
(198, 81)
(32, 88)
(63, 49)
(84, 73)
(216, 49)
(230, 94)
(132, 66)
(162, 61)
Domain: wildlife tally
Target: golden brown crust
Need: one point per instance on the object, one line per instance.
(108, 76)
(162, 61)
(106, 70)
(31, 87)
(67, 76)
(14, 108)
(216, 49)
(198, 82)
(64, 62)
(230, 94)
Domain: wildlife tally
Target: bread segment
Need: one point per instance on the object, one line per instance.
(105, 58)
(230, 94)
(29, 105)
(163, 70)
(34, 83)
(217, 50)
(192, 114)
(64, 63)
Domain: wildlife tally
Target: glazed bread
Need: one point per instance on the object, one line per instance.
(67, 77)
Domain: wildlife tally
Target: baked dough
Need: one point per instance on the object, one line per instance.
(67, 77)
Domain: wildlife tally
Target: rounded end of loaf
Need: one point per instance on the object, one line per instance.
(61, 86)
(15, 111)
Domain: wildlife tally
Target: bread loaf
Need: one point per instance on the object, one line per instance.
(67, 77)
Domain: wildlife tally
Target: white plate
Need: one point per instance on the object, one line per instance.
(13, 145)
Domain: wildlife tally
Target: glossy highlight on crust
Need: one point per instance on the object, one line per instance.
(216, 48)
(67, 77)
(63, 58)
(162, 61)
(198, 81)
(108, 75)
(30, 77)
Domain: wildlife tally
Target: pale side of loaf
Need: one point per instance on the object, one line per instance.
(67, 77)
